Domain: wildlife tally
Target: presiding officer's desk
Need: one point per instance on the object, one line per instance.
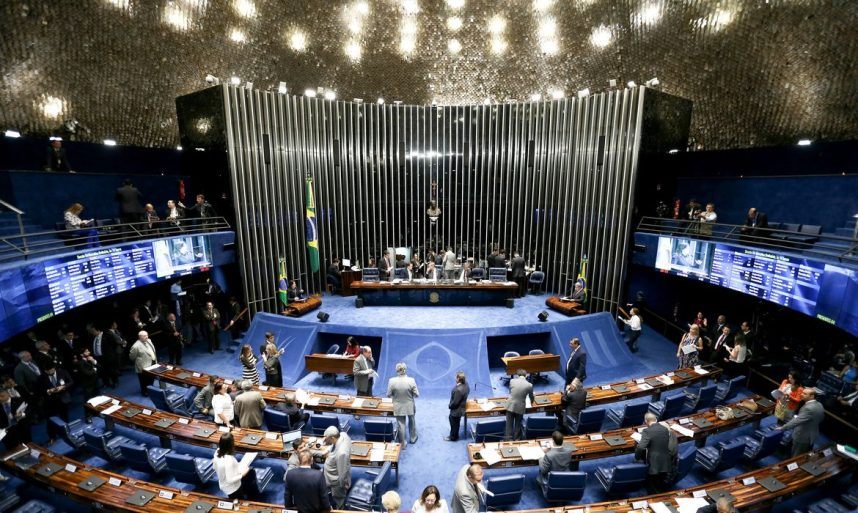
(26, 461)
(169, 426)
(329, 363)
(532, 363)
(415, 293)
(299, 308)
(604, 394)
(316, 401)
(697, 426)
(567, 307)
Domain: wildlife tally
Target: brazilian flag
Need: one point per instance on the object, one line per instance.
(582, 277)
(283, 286)
(312, 232)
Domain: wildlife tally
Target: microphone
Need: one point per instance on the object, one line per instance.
(483, 384)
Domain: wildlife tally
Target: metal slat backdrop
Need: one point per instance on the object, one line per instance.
(529, 177)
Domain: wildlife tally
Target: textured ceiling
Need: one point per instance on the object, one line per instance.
(759, 72)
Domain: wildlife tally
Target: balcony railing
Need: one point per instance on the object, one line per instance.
(825, 247)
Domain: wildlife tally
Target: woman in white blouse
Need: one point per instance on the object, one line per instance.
(737, 355)
(229, 472)
(82, 227)
(222, 408)
(430, 501)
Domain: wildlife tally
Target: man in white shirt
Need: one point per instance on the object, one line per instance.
(222, 407)
(634, 324)
(143, 355)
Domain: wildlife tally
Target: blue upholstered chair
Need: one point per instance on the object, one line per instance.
(702, 399)
(506, 489)
(564, 486)
(190, 470)
(758, 447)
(628, 415)
(478, 273)
(34, 506)
(828, 505)
(587, 421)
(622, 478)
(365, 493)
(72, 432)
(728, 389)
(539, 426)
(276, 420)
(669, 408)
(851, 496)
(319, 422)
(380, 430)
(138, 457)
(8, 499)
(103, 443)
(509, 354)
(535, 281)
(715, 458)
(830, 384)
(685, 462)
(263, 476)
(334, 349)
(168, 400)
(488, 430)
(536, 376)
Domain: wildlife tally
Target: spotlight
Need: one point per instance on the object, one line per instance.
(248, 85)
(330, 95)
(487, 101)
(282, 88)
(213, 80)
(178, 148)
(109, 142)
(583, 93)
(543, 316)
(13, 134)
(55, 138)
(612, 83)
(323, 316)
(380, 101)
(673, 151)
(535, 97)
(804, 142)
(631, 84)
(358, 100)
(234, 80)
(558, 94)
(653, 82)
(310, 93)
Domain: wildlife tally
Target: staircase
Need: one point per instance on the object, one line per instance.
(44, 244)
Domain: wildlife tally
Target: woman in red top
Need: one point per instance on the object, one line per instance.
(352, 348)
(789, 399)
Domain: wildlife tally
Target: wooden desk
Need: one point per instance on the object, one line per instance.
(329, 364)
(570, 308)
(599, 395)
(347, 278)
(299, 308)
(112, 497)
(532, 363)
(588, 449)
(434, 294)
(184, 430)
(188, 378)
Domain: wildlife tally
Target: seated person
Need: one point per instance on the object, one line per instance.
(352, 348)
(334, 277)
(846, 404)
(408, 275)
(293, 293)
(82, 228)
(290, 407)
(578, 293)
(432, 274)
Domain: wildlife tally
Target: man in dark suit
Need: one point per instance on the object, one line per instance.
(806, 422)
(56, 159)
(27, 374)
(306, 490)
(172, 330)
(658, 447)
(212, 324)
(518, 276)
(16, 424)
(334, 276)
(385, 266)
(54, 385)
(574, 400)
(576, 365)
(112, 350)
(46, 356)
(755, 225)
(458, 400)
(201, 208)
(129, 199)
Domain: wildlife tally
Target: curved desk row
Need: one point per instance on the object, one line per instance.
(604, 394)
(169, 426)
(115, 490)
(697, 427)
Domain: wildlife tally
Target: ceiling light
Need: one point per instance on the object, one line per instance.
(653, 82)
(176, 17)
(408, 27)
(178, 148)
(673, 151)
(14, 134)
(498, 45)
(356, 100)
(487, 101)
(297, 41)
(455, 4)
(497, 24)
(454, 23)
(238, 35)
(109, 142)
(649, 14)
(354, 25)
(535, 97)
(248, 85)
(548, 27)
(557, 94)
(52, 107)
(542, 5)
(362, 7)
(244, 8)
(601, 36)
(549, 46)
(330, 95)
(407, 44)
(282, 88)
(454, 46)
(583, 93)
(211, 79)
(380, 101)
(804, 142)
(631, 84)
(55, 138)
(234, 80)
(353, 50)
(410, 6)
(310, 93)
(612, 82)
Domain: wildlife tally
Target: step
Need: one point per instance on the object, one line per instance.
(844, 232)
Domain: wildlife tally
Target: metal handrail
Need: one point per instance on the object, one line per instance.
(16, 246)
(18, 213)
(764, 238)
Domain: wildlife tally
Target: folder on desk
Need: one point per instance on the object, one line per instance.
(360, 450)
(49, 469)
(370, 403)
(327, 400)
(157, 368)
(91, 483)
(701, 422)
(204, 432)
(510, 452)
(771, 484)
(541, 400)
(251, 439)
(26, 461)
(183, 375)
(620, 389)
(200, 507)
(718, 493)
(615, 440)
(812, 468)
(130, 412)
(683, 375)
(762, 402)
(738, 413)
(140, 497)
(653, 382)
(165, 423)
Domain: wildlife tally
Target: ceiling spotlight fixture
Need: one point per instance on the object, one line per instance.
(454, 23)
(109, 142)
(631, 84)
(612, 82)
(542, 5)
(330, 95)
(410, 6)
(673, 151)
(310, 93)
(380, 101)
(454, 46)
(358, 100)
(13, 134)
(583, 93)
(248, 85)
(297, 41)
(455, 4)
(601, 36)
(234, 80)
(498, 45)
(497, 24)
(804, 142)
(282, 88)
(353, 50)
(557, 94)
(487, 101)
(244, 8)
(535, 97)
(362, 7)
(213, 80)
(55, 138)
(238, 35)
(178, 148)
(52, 107)
(653, 82)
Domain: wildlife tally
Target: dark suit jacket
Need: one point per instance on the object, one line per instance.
(575, 402)
(334, 271)
(517, 267)
(754, 224)
(111, 348)
(383, 269)
(576, 367)
(129, 199)
(26, 379)
(56, 160)
(306, 491)
(458, 400)
(656, 448)
(167, 331)
(51, 358)
(200, 210)
(45, 383)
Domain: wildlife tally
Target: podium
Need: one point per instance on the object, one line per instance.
(570, 308)
(299, 308)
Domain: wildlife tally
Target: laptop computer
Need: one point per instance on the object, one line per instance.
(290, 436)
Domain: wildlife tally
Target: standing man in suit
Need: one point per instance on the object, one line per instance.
(755, 225)
(306, 490)
(750, 336)
(518, 276)
(719, 349)
(576, 365)
(338, 465)
(458, 401)
(175, 340)
(201, 208)
(248, 406)
(211, 318)
(143, 355)
(128, 197)
(56, 159)
(363, 371)
(403, 390)
(519, 390)
(385, 266)
(466, 492)
(806, 422)
(556, 459)
(575, 399)
(16, 424)
(112, 351)
(658, 447)
(54, 385)
(449, 264)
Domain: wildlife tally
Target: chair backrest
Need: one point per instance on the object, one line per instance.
(383, 482)
(541, 422)
(628, 477)
(731, 452)
(672, 406)
(158, 396)
(276, 420)
(811, 229)
(183, 468)
(590, 420)
(537, 277)
(536, 351)
(705, 396)
(497, 274)
(400, 273)
(829, 384)
(319, 422)
(379, 430)
(489, 428)
(565, 485)
(511, 354)
(369, 274)
(95, 442)
(790, 227)
(633, 414)
(685, 462)
(334, 349)
(769, 443)
(61, 426)
(136, 456)
(506, 489)
(478, 274)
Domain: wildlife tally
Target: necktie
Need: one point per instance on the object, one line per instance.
(96, 346)
(720, 341)
(54, 380)
(12, 419)
(34, 368)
